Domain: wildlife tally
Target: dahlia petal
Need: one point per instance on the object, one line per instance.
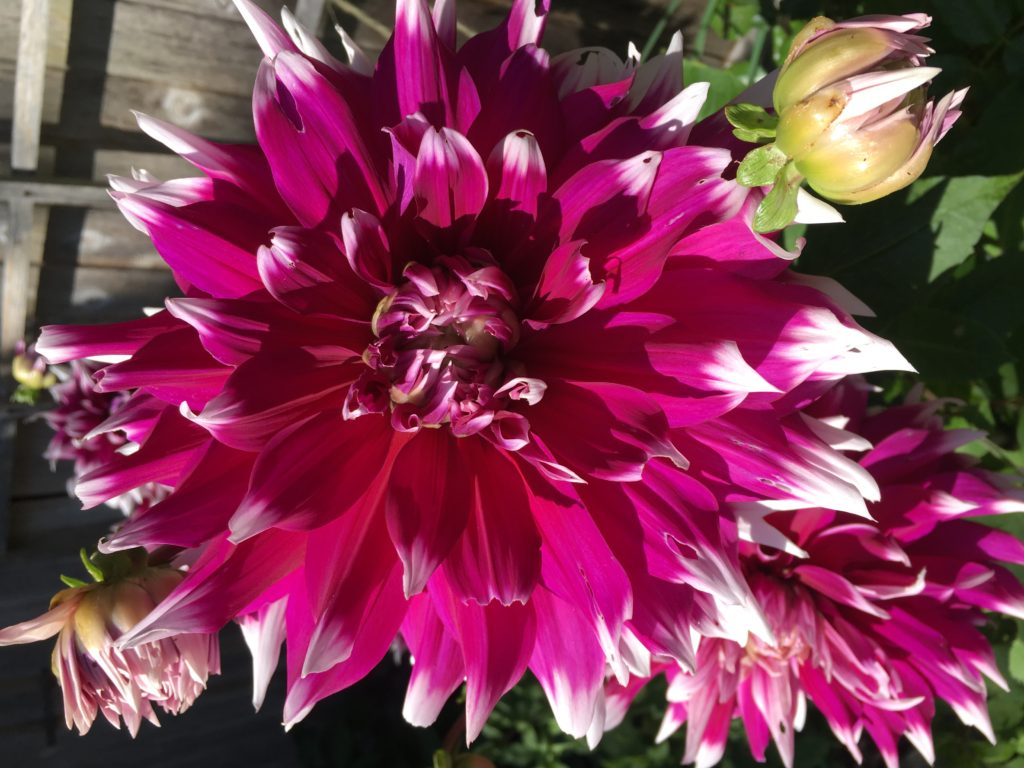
(40, 628)
(234, 331)
(496, 642)
(568, 662)
(658, 79)
(304, 271)
(247, 413)
(62, 343)
(427, 504)
(212, 247)
(517, 173)
(270, 37)
(566, 289)
(366, 248)
(202, 503)
(264, 633)
(578, 566)
(311, 472)
(716, 366)
(161, 459)
(498, 555)
(419, 64)
(337, 631)
(607, 431)
(373, 641)
(437, 668)
(483, 54)
(173, 367)
(241, 165)
(521, 98)
(443, 15)
(449, 180)
(235, 574)
(307, 43)
(306, 128)
(357, 59)
(837, 588)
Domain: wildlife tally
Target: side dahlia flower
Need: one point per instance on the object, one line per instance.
(92, 427)
(33, 375)
(441, 331)
(95, 674)
(871, 623)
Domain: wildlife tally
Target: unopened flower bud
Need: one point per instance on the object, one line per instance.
(98, 677)
(30, 370)
(852, 113)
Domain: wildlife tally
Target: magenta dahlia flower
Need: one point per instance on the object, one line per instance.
(98, 676)
(441, 331)
(870, 622)
(92, 427)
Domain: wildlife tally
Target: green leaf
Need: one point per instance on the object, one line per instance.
(761, 166)
(959, 220)
(725, 84)
(751, 123)
(71, 581)
(1016, 663)
(778, 209)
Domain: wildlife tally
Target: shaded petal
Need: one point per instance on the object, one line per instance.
(449, 180)
(437, 668)
(310, 136)
(311, 472)
(248, 413)
(568, 662)
(498, 555)
(428, 503)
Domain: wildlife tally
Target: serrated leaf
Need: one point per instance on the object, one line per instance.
(750, 122)
(778, 209)
(760, 167)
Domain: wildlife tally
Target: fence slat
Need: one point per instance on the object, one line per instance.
(29, 80)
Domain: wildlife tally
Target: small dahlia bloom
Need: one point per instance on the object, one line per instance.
(91, 427)
(442, 330)
(96, 675)
(852, 109)
(870, 623)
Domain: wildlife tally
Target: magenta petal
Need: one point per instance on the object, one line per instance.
(496, 642)
(234, 331)
(366, 248)
(198, 510)
(312, 472)
(172, 367)
(420, 64)
(578, 566)
(437, 669)
(607, 431)
(518, 174)
(304, 270)
(61, 343)
(449, 181)
(161, 459)
(427, 505)
(270, 37)
(236, 575)
(566, 289)
(209, 244)
(498, 555)
(373, 640)
(568, 661)
(311, 139)
(248, 413)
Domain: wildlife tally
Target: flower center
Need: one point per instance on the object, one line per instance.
(440, 356)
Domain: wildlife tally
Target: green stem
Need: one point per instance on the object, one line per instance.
(755, 54)
(702, 30)
(659, 29)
